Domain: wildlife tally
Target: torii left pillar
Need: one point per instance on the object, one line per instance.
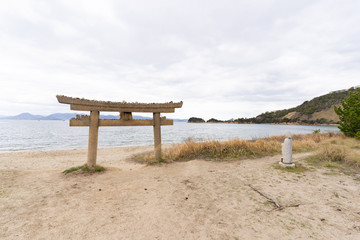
(93, 138)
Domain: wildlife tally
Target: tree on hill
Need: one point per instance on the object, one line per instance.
(349, 114)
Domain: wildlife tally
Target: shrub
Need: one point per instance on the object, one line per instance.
(349, 114)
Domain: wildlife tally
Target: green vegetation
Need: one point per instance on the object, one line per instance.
(349, 114)
(84, 168)
(316, 131)
(196, 120)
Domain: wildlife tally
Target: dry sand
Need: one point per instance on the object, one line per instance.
(185, 200)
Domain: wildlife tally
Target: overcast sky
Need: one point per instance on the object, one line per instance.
(223, 59)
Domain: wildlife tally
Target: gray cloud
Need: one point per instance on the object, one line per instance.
(223, 59)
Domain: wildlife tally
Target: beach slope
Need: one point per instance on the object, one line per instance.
(196, 199)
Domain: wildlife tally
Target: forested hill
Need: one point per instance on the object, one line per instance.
(317, 110)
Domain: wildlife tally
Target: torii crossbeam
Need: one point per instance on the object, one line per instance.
(125, 110)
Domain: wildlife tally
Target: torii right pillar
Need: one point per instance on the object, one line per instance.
(157, 135)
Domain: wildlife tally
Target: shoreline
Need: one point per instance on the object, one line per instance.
(299, 124)
(75, 149)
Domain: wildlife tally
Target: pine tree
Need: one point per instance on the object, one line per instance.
(349, 114)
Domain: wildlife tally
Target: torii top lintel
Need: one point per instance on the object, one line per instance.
(81, 104)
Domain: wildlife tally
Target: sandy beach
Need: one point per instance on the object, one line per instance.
(195, 199)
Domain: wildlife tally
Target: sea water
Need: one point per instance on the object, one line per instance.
(34, 135)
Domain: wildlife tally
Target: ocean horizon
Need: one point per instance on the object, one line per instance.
(45, 135)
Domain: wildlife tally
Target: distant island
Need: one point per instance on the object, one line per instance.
(214, 120)
(319, 110)
(196, 120)
(211, 120)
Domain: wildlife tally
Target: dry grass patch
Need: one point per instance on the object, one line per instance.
(338, 153)
(240, 149)
(227, 149)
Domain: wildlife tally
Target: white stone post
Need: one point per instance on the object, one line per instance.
(286, 148)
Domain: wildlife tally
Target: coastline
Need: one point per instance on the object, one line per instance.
(292, 123)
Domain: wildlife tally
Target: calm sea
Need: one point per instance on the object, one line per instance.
(33, 135)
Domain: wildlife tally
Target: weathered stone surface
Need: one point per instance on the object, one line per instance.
(93, 138)
(126, 116)
(157, 135)
(87, 102)
(287, 149)
(85, 122)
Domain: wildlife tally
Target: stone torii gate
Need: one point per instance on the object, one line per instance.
(125, 110)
